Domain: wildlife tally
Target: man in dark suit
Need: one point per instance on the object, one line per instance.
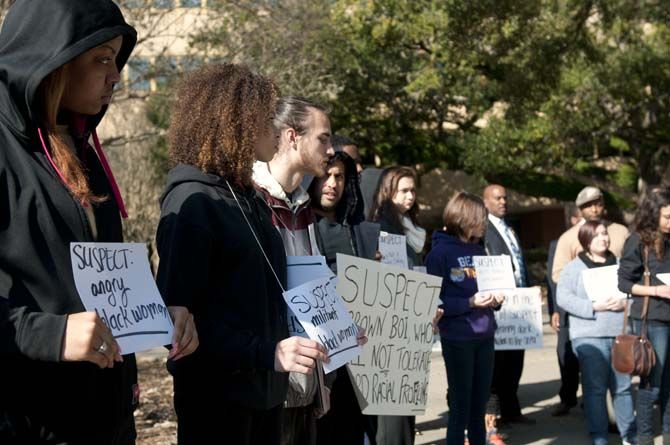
(500, 239)
(567, 360)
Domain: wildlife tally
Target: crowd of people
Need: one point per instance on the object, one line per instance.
(257, 177)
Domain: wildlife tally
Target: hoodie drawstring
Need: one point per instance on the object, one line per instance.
(105, 166)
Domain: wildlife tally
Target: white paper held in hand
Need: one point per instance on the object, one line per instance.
(602, 283)
(115, 281)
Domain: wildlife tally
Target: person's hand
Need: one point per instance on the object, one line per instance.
(88, 339)
(436, 319)
(361, 336)
(616, 304)
(319, 413)
(662, 291)
(600, 306)
(482, 300)
(378, 255)
(556, 321)
(185, 338)
(298, 354)
(499, 299)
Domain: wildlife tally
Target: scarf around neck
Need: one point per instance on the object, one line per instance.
(416, 236)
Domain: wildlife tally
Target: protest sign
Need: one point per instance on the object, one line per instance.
(602, 283)
(115, 281)
(494, 272)
(393, 249)
(664, 277)
(520, 320)
(300, 270)
(325, 319)
(395, 306)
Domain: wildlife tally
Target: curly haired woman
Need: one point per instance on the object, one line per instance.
(222, 258)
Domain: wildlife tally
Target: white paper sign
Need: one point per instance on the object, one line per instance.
(300, 270)
(325, 319)
(520, 320)
(602, 283)
(114, 280)
(664, 277)
(393, 249)
(395, 306)
(494, 272)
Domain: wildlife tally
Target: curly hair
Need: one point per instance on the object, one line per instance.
(647, 219)
(383, 207)
(220, 112)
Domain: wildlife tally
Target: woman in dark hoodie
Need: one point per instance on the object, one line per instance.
(223, 259)
(63, 377)
(468, 324)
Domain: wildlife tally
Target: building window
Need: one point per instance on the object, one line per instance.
(190, 3)
(138, 70)
(165, 69)
(164, 4)
(133, 3)
(190, 63)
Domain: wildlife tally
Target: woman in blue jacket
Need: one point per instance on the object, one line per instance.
(468, 325)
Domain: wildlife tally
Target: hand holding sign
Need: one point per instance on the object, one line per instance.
(321, 312)
(487, 299)
(298, 354)
(114, 280)
(185, 338)
(85, 333)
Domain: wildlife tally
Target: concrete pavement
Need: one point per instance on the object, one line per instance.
(538, 393)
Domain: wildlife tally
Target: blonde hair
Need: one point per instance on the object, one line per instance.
(49, 96)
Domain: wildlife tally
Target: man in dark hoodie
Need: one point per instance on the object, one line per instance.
(338, 205)
(63, 379)
(340, 228)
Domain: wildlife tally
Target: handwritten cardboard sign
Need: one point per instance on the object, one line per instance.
(300, 270)
(494, 272)
(395, 306)
(321, 312)
(115, 281)
(602, 283)
(393, 249)
(520, 320)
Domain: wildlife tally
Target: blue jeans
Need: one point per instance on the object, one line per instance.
(656, 386)
(469, 373)
(595, 361)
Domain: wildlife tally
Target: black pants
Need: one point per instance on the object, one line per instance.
(569, 367)
(20, 430)
(344, 423)
(507, 370)
(225, 423)
(298, 426)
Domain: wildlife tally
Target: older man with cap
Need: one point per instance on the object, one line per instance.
(592, 206)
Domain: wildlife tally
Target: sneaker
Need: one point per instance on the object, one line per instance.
(495, 439)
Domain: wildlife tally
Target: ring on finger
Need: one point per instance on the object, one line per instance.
(102, 348)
